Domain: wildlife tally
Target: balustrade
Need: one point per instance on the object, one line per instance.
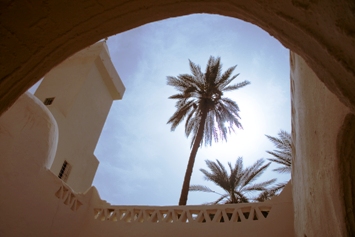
(229, 213)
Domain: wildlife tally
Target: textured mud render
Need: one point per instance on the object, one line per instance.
(37, 35)
(346, 156)
(317, 192)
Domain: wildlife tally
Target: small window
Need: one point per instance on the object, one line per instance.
(48, 101)
(64, 171)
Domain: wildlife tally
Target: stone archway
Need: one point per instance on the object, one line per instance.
(37, 36)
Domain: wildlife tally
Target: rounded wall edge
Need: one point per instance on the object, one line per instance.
(28, 135)
(28, 141)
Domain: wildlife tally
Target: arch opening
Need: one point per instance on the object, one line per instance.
(144, 57)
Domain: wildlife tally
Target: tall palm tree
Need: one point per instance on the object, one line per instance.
(209, 116)
(236, 183)
(283, 154)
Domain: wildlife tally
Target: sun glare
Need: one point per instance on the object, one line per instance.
(136, 129)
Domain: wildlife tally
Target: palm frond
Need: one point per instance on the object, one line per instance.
(236, 173)
(283, 142)
(283, 155)
(218, 174)
(278, 187)
(270, 192)
(254, 171)
(283, 169)
(196, 72)
(201, 188)
(236, 86)
(177, 96)
(259, 186)
(180, 114)
(241, 198)
(264, 196)
(220, 199)
(280, 158)
(192, 121)
(226, 78)
(213, 70)
(238, 182)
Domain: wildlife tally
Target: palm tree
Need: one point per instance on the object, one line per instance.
(209, 116)
(283, 154)
(236, 183)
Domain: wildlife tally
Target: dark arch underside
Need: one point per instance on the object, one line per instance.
(37, 35)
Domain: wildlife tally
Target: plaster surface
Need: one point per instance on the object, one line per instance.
(318, 115)
(38, 35)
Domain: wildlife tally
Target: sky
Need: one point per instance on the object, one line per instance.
(142, 162)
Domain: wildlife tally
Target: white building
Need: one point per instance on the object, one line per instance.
(79, 93)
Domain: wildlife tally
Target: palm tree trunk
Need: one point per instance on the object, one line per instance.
(190, 165)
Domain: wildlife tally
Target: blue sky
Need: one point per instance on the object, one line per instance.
(141, 161)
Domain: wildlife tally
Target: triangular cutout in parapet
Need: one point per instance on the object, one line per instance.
(238, 219)
(147, 214)
(123, 215)
(135, 215)
(265, 210)
(101, 215)
(204, 216)
(229, 214)
(113, 215)
(196, 215)
(154, 217)
(209, 215)
(176, 214)
(246, 212)
(139, 216)
(109, 212)
(168, 217)
(65, 192)
(183, 217)
(97, 212)
(59, 193)
(70, 198)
